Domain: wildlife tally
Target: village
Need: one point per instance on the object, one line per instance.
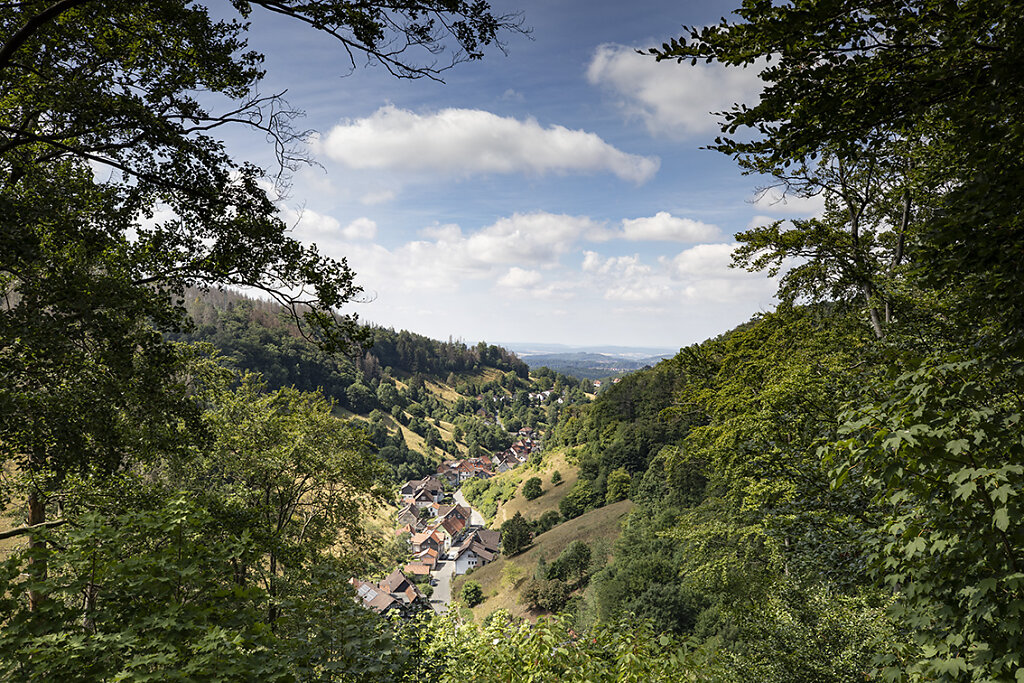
(446, 537)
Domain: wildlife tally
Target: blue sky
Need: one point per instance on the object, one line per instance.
(557, 193)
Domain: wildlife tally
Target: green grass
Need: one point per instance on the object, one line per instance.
(549, 500)
(603, 524)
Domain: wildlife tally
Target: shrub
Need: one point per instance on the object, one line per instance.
(532, 489)
(472, 593)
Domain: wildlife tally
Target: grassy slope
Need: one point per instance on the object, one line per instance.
(603, 523)
(532, 509)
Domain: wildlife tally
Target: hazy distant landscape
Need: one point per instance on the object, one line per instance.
(589, 362)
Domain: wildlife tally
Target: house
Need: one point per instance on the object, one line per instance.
(428, 557)
(422, 499)
(446, 535)
(456, 511)
(417, 569)
(428, 488)
(408, 515)
(426, 539)
(396, 582)
(476, 550)
(372, 597)
(453, 525)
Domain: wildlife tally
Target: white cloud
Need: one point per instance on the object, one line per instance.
(309, 224)
(703, 274)
(360, 229)
(520, 278)
(665, 227)
(626, 278)
(672, 99)
(705, 260)
(463, 141)
(538, 237)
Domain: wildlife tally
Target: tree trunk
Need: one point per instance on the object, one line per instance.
(36, 564)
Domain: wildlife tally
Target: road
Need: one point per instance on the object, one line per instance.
(475, 519)
(443, 590)
(445, 572)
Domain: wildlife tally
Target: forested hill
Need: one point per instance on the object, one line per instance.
(419, 400)
(257, 335)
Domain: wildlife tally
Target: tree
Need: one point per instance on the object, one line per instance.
(556, 478)
(924, 438)
(819, 59)
(572, 564)
(511, 575)
(617, 487)
(284, 471)
(387, 396)
(532, 489)
(360, 398)
(89, 273)
(580, 498)
(472, 593)
(515, 535)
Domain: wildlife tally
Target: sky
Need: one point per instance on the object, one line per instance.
(554, 193)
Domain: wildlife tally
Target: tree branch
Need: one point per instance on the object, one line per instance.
(33, 25)
(28, 529)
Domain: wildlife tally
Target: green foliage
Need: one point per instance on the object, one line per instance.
(617, 486)
(472, 593)
(580, 498)
(516, 535)
(547, 521)
(550, 595)
(943, 457)
(486, 494)
(152, 594)
(511, 575)
(556, 478)
(572, 564)
(532, 488)
(505, 649)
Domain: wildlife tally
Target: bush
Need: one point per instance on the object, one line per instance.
(581, 497)
(556, 478)
(472, 593)
(546, 595)
(572, 564)
(515, 535)
(548, 520)
(532, 489)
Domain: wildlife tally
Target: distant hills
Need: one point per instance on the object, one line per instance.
(589, 362)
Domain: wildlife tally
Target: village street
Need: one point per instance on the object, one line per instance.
(443, 590)
(476, 519)
(445, 572)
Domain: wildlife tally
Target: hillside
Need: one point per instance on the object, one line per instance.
(554, 461)
(598, 528)
(587, 365)
(421, 400)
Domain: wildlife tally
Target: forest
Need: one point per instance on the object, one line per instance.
(831, 491)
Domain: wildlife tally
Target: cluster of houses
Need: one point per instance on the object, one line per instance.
(439, 530)
(518, 453)
(396, 593)
(456, 472)
(436, 529)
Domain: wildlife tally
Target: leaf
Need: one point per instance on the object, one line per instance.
(1002, 519)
